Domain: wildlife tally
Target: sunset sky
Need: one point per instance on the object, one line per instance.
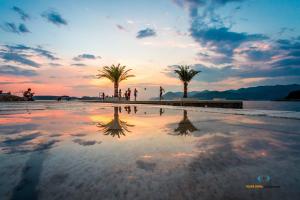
(56, 47)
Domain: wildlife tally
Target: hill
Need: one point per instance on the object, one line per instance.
(276, 92)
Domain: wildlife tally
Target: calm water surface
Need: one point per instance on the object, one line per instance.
(79, 150)
(273, 105)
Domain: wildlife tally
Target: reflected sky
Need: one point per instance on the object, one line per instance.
(102, 151)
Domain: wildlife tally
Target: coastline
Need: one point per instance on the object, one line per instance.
(189, 103)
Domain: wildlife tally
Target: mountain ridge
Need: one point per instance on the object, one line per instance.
(267, 92)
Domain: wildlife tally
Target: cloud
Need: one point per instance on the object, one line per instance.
(148, 32)
(228, 54)
(221, 40)
(14, 28)
(215, 74)
(10, 27)
(210, 30)
(24, 16)
(54, 64)
(120, 27)
(89, 77)
(86, 56)
(78, 64)
(18, 58)
(23, 29)
(54, 17)
(255, 54)
(20, 52)
(44, 53)
(16, 71)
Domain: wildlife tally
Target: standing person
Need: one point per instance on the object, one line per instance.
(129, 94)
(135, 93)
(161, 91)
(126, 95)
(103, 96)
(120, 94)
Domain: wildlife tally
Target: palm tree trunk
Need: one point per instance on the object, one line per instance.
(185, 115)
(185, 88)
(116, 113)
(116, 87)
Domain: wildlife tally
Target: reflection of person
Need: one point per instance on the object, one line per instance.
(135, 93)
(28, 95)
(128, 109)
(135, 109)
(161, 111)
(161, 91)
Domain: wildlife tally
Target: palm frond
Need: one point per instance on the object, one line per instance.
(185, 74)
(115, 73)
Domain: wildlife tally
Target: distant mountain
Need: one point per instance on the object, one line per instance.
(276, 92)
(294, 95)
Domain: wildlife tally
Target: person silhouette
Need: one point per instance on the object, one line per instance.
(135, 94)
(120, 94)
(28, 95)
(129, 93)
(161, 91)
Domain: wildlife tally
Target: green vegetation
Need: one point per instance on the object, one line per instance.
(116, 74)
(185, 74)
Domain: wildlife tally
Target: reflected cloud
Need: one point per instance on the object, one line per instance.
(26, 143)
(86, 142)
(145, 165)
(79, 134)
(116, 127)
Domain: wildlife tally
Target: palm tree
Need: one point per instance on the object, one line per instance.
(185, 74)
(116, 74)
(115, 127)
(185, 126)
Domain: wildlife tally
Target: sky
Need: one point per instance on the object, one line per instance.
(57, 47)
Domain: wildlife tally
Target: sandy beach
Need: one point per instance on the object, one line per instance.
(76, 150)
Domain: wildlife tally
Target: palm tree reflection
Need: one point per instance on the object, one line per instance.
(115, 127)
(185, 126)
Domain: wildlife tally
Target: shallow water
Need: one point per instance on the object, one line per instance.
(77, 150)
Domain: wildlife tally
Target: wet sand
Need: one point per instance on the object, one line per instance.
(79, 150)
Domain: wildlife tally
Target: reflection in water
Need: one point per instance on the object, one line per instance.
(27, 187)
(135, 109)
(115, 127)
(216, 164)
(161, 111)
(185, 126)
(128, 109)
